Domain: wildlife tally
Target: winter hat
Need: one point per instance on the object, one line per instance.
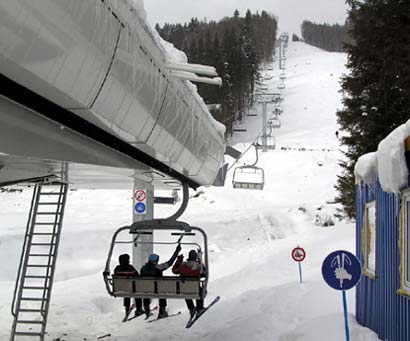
(193, 255)
(153, 258)
(124, 259)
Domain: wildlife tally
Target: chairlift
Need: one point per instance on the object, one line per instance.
(282, 76)
(281, 86)
(277, 110)
(159, 287)
(270, 141)
(173, 287)
(239, 126)
(249, 176)
(275, 123)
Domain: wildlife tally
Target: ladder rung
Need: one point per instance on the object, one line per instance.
(46, 223)
(35, 288)
(50, 193)
(38, 277)
(28, 333)
(30, 311)
(39, 266)
(31, 299)
(30, 322)
(43, 244)
(47, 213)
(41, 255)
(44, 234)
(49, 203)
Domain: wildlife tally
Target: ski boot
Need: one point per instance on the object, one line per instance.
(162, 313)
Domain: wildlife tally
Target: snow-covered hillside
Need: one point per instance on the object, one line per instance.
(251, 234)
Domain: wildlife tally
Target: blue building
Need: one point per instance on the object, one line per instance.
(383, 238)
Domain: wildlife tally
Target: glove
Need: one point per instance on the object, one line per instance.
(180, 258)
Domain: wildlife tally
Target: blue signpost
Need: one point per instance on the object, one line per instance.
(342, 270)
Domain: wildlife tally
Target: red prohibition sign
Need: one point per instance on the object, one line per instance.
(298, 254)
(140, 195)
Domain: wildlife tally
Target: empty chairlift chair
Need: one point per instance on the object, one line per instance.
(249, 176)
(275, 123)
(270, 141)
(239, 127)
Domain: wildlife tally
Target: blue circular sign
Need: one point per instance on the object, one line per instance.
(140, 207)
(341, 270)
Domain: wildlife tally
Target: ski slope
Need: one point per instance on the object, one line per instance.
(251, 235)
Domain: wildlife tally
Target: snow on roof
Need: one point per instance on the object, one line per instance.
(173, 55)
(388, 163)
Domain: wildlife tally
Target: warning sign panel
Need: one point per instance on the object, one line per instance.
(298, 254)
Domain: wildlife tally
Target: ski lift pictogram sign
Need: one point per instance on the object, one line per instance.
(341, 270)
(298, 254)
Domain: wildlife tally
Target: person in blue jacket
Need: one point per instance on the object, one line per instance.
(155, 269)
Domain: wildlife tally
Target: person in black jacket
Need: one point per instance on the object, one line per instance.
(127, 270)
(153, 269)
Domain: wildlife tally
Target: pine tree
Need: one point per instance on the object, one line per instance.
(377, 90)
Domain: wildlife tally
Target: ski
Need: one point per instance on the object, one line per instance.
(161, 318)
(193, 319)
(127, 315)
(150, 314)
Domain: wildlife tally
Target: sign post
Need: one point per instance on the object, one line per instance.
(298, 255)
(341, 270)
(143, 209)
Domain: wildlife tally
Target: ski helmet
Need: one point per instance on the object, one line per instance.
(153, 258)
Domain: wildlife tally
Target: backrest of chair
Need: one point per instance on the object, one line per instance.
(159, 287)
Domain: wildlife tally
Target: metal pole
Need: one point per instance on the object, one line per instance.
(264, 121)
(143, 250)
(300, 272)
(346, 317)
(280, 54)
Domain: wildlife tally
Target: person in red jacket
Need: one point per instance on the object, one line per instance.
(191, 268)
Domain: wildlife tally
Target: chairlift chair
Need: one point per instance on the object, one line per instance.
(249, 176)
(277, 110)
(173, 287)
(239, 127)
(270, 141)
(275, 123)
(281, 86)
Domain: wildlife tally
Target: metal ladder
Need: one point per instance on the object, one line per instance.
(34, 282)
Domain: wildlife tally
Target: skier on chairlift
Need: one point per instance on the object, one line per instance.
(192, 268)
(153, 269)
(127, 270)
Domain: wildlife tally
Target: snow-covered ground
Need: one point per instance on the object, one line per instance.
(251, 234)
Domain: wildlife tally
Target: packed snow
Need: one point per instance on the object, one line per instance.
(251, 235)
(389, 161)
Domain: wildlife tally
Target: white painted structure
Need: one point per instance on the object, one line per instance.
(99, 62)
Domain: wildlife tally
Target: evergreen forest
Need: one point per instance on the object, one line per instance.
(237, 46)
(327, 37)
(376, 91)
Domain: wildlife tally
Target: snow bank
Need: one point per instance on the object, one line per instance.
(388, 162)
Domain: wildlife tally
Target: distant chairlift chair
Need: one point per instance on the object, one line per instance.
(249, 176)
(275, 123)
(239, 127)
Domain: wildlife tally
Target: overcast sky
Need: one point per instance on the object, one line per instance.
(291, 13)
